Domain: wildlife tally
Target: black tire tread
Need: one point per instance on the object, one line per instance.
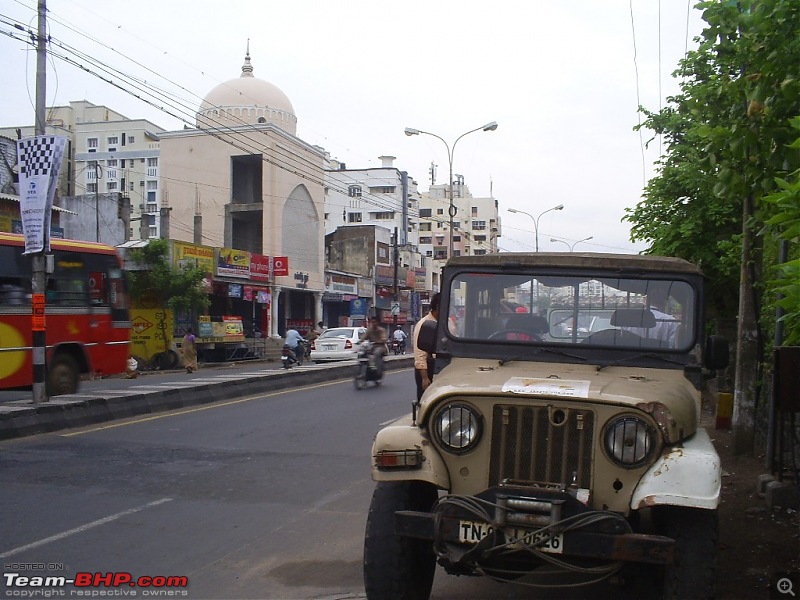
(397, 568)
(696, 535)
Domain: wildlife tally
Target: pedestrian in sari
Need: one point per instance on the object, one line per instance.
(189, 350)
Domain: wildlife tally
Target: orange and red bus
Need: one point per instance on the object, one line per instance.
(86, 313)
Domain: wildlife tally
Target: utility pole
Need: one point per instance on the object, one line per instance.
(38, 275)
(396, 294)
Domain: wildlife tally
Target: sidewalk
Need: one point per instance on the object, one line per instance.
(116, 398)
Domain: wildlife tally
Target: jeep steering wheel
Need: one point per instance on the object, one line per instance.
(524, 336)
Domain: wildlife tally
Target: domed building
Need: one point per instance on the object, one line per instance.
(242, 180)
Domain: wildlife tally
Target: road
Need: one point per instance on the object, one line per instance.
(263, 496)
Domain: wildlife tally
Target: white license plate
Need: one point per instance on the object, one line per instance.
(472, 532)
(329, 347)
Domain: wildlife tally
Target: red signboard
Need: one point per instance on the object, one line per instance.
(37, 322)
(259, 267)
(280, 266)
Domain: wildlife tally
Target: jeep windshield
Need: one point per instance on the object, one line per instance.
(579, 311)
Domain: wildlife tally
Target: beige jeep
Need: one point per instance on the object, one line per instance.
(559, 441)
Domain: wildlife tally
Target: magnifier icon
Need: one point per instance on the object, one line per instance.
(784, 586)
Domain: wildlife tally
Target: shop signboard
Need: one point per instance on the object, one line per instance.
(233, 263)
(259, 267)
(419, 283)
(342, 284)
(191, 255)
(358, 308)
(384, 275)
(280, 266)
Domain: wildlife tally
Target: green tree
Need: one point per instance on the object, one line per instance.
(180, 289)
(728, 140)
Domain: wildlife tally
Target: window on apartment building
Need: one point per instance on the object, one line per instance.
(425, 212)
(152, 207)
(424, 226)
(429, 253)
(479, 225)
(480, 238)
(151, 196)
(354, 191)
(112, 163)
(456, 252)
(153, 231)
(480, 252)
(354, 217)
(112, 140)
(111, 186)
(130, 186)
(151, 184)
(131, 139)
(426, 240)
(456, 224)
(152, 162)
(384, 215)
(439, 211)
(91, 188)
(91, 144)
(124, 139)
(456, 238)
(474, 211)
(440, 253)
(384, 189)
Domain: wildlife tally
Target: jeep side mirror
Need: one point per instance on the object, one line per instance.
(426, 340)
(716, 354)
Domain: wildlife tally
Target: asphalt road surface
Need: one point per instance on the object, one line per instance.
(264, 496)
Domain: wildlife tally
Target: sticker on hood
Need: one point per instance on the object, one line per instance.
(547, 387)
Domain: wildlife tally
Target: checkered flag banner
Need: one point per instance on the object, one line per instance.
(39, 160)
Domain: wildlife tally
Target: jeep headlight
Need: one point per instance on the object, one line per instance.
(457, 427)
(629, 441)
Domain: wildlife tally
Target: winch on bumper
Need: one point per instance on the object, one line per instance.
(516, 523)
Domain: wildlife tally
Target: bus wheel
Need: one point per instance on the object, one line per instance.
(63, 376)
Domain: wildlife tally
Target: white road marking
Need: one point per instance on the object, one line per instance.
(82, 528)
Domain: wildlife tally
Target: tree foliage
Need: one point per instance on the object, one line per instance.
(728, 140)
(181, 289)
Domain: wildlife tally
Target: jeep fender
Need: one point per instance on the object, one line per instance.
(408, 437)
(689, 475)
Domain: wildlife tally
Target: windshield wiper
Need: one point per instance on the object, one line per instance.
(644, 355)
(535, 351)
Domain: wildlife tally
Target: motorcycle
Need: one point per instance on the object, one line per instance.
(291, 357)
(397, 346)
(369, 368)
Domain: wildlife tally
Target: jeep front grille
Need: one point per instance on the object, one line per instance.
(541, 444)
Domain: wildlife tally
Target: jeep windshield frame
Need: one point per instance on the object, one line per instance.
(596, 307)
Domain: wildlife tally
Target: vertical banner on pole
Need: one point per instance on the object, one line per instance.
(39, 159)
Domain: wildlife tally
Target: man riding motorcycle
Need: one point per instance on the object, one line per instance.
(377, 336)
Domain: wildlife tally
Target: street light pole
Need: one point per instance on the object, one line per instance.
(536, 220)
(572, 246)
(450, 151)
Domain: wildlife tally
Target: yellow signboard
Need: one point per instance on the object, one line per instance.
(191, 255)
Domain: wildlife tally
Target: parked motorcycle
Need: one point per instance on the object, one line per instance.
(291, 357)
(369, 368)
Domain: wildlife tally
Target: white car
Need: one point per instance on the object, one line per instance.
(337, 343)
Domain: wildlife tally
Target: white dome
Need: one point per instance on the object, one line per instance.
(246, 100)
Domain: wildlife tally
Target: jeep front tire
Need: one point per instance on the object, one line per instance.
(397, 568)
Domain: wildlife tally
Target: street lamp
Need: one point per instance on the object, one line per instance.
(572, 246)
(452, 210)
(536, 219)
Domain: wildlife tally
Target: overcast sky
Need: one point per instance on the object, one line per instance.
(562, 79)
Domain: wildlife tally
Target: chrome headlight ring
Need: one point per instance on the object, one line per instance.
(630, 441)
(457, 427)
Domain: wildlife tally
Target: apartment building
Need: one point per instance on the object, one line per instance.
(107, 154)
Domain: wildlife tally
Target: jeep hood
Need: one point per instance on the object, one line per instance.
(663, 393)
